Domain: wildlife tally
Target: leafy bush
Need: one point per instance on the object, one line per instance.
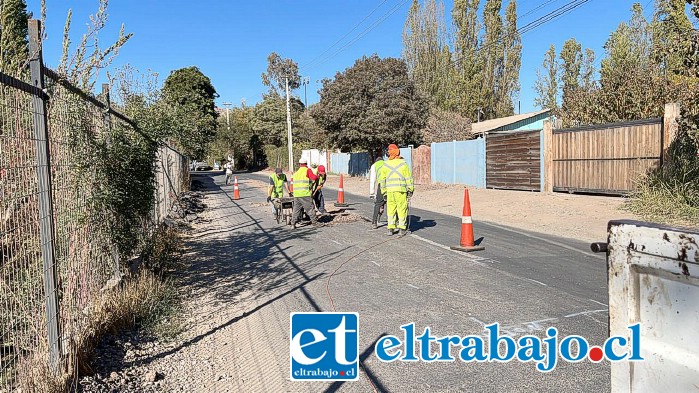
(670, 194)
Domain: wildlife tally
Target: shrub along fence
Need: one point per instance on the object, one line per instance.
(78, 196)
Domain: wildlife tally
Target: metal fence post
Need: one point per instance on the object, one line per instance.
(108, 125)
(43, 170)
(548, 156)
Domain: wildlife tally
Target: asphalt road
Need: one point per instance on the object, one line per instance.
(526, 282)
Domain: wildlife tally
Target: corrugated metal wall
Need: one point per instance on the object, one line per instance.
(354, 164)
(459, 162)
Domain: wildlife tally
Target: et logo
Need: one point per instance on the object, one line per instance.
(324, 346)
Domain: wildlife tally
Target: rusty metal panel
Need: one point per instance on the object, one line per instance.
(653, 275)
(513, 161)
(422, 165)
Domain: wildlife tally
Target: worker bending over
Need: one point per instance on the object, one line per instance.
(375, 193)
(318, 197)
(397, 186)
(303, 191)
(277, 183)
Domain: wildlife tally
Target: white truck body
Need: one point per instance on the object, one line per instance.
(653, 276)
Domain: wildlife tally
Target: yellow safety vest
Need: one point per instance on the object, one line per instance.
(395, 176)
(278, 190)
(302, 184)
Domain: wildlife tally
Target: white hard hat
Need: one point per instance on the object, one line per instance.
(303, 161)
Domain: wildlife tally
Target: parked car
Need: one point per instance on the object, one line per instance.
(202, 166)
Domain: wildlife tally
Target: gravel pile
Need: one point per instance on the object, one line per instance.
(119, 366)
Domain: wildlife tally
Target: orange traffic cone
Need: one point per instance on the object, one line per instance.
(236, 192)
(467, 243)
(341, 194)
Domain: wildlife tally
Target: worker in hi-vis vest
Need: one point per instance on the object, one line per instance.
(397, 186)
(275, 190)
(303, 191)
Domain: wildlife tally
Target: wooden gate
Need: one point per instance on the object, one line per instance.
(605, 158)
(513, 161)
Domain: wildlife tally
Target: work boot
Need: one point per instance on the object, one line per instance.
(293, 225)
(374, 225)
(402, 232)
(390, 232)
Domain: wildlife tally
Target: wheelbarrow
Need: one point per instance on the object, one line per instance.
(285, 209)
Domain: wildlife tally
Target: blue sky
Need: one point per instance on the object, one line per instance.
(230, 40)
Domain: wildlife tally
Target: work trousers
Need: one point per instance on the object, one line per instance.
(320, 201)
(301, 204)
(397, 210)
(378, 203)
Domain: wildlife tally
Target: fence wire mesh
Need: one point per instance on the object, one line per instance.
(22, 315)
(80, 131)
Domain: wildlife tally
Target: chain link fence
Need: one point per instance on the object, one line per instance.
(58, 246)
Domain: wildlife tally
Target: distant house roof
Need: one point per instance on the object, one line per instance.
(503, 122)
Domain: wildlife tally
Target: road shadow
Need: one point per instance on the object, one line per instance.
(245, 264)
(417, 223)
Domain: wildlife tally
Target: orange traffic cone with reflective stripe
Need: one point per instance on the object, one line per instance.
(341, 194)
(236, 192)
(467, 242)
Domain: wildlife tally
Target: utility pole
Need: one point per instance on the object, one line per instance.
(305, 81)
(228, 119)
(288, 125)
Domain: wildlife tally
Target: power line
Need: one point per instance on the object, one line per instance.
(540, 6)
(361, 35)
(555, 14)
(345, 36)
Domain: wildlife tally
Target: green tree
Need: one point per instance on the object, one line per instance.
(13, 36)
(309, 132)
(239, 140)
(278, 69)
(570, 70)
(509, 86)
(189, 96)
(269, 118)
(627, 72)
(674, 37)
(546, 85)
(370, 105)
(468, 64)
(493, 52)
(427, 53)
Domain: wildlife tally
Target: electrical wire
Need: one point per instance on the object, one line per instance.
(345, 36)
(360, 36)
(555, 14)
